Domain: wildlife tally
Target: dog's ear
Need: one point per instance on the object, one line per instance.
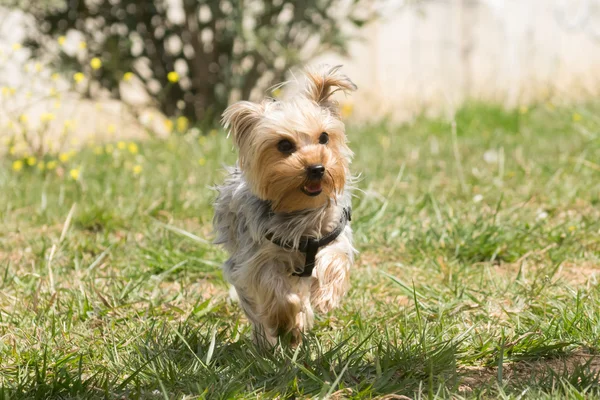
(240, 119)
(324, 81)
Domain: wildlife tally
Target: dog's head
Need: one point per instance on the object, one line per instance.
(294, 152)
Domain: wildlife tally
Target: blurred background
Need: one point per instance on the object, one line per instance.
(73, 70)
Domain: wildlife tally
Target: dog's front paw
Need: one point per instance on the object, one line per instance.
(331, 283)
(326, 298)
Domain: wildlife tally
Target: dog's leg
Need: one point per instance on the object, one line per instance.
(280, 305)
(275, 303)
(305, 318)
(249, 306)
(332, 271)
(241, 277)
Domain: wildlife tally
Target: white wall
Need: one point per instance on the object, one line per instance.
(435, 55)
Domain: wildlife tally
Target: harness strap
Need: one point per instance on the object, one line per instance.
(310, 246)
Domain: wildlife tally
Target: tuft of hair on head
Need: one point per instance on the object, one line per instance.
(239, 119)
(322, 82)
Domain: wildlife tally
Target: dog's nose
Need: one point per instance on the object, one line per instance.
(315, 171)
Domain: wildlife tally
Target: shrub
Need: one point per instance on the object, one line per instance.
(195, 57)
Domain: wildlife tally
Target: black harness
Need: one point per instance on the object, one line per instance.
(310, 245)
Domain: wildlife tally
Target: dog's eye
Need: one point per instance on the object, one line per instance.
(324, 138)
(285, 146)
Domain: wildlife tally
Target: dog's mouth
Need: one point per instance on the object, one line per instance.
(312, 189)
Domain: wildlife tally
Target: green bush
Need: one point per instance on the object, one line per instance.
(194, 58)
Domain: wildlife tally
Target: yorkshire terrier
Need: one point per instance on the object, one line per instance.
(284, 211)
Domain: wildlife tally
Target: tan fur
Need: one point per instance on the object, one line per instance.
(278, 177)
(276, 302)
(323, 82)
(332, 281)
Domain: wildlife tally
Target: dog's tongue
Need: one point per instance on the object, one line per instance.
(313, 187)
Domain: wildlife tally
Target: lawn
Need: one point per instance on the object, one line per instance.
(478, 272)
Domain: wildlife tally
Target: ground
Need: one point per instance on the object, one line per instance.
(478, 273)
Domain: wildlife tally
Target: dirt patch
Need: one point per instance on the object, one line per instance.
(586, 273)
(474, 377)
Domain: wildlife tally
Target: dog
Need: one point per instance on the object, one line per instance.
(283, 213)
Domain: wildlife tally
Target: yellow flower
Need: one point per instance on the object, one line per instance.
(121, 145)
(57, 104)
(61, 40)
(213, 132)
(347, 110)
(202, 140)
(23, 118)
(31, 161)
(41, 166)
(137, 169)
(168, 125)
(28, 94)
(577, 117)
(72, 153)
(63, 157)
(17, 46)
(96, 63)
(109, 148)
(82, 45)
(51, 165)
(133, 148)
(78, 77)
(182, 124)
(55, 76)
(173, 77)
(69, 124)
(277, 92)
(74, 173)
(202, 161)
(523, 110)
(571, 228)
(17, 165)
(111, 129)
(37, 66)
(12, 150)
(127, 76)
(8, 91)
(98, 150)
(47, 117)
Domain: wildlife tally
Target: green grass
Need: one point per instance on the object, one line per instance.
(479, 246)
